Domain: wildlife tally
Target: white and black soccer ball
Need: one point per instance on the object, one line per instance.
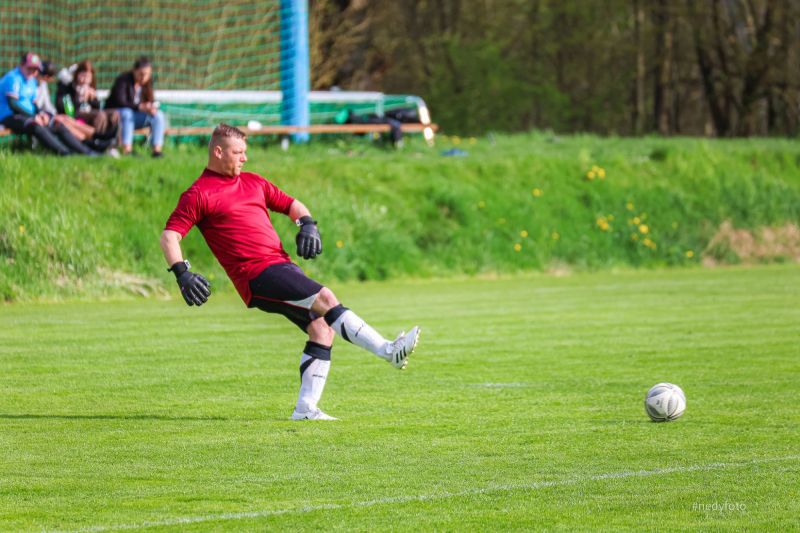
(664, 402)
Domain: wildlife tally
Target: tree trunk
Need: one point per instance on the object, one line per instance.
(663, 97)
(639, 112)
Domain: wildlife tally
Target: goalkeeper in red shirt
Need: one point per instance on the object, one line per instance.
(232, 210)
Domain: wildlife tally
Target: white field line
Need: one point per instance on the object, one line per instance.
(437, 496)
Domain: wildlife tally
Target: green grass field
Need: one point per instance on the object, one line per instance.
(521, 409)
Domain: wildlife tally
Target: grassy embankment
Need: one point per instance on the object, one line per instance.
(89, 228)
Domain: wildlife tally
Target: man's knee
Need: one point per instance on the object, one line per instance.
(320, 332)
(37, 130)
(325, 301)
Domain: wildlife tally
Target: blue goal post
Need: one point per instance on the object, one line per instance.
(294, 69)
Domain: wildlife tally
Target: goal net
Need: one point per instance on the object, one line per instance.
(198, 44)
(213, 61)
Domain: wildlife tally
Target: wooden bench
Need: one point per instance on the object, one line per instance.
(314, 129)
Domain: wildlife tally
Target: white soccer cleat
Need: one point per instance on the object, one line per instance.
(402, 347)
(314, 414)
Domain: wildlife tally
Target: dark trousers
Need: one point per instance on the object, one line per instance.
(55, 138)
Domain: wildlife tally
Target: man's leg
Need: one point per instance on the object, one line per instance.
(48, 139)
(22, 124)
(284, 289)
(314, 366)
(355, 330)
(70, 141)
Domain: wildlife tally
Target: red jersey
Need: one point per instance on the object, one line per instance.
(231, 213)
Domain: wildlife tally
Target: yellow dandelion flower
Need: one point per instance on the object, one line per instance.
(340, 244)
(481, 204)
(455, 139)
(536, 192)
(649, 243)
(21, 228)
(523, 234)
(634, 237)
(601, 173)
(689, 254)
(635, 221)
(555, 236)
(644, 229)
(629, 206)
(517, 247)
(590, 175)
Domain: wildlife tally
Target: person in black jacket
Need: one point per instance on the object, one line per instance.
(132, 96)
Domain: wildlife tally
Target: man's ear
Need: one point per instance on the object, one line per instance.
(217, 151)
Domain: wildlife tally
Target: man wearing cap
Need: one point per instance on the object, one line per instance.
(18, 111)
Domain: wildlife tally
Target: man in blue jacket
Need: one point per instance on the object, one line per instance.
(19, 113)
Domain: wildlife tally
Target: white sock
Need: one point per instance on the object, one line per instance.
(352, 329)
(312, 382)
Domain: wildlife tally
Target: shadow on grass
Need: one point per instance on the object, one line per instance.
(111, 417)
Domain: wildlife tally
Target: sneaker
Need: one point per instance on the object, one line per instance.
(402, 347)
(314, 414)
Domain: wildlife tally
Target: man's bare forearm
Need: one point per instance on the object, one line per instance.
(298, 210)
(170, 245)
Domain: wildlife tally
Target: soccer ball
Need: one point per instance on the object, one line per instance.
(664, 402)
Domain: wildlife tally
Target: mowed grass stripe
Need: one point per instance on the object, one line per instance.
(405, 499)
(136, 411)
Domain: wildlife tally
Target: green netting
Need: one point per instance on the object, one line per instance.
(239, 114)
(194, 45)
(200, 44)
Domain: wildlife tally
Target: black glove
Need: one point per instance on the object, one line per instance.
(309, 244)
(194, 287)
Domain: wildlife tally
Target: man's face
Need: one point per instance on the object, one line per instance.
(231, 154)
(29, 72)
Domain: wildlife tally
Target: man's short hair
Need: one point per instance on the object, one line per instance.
(224, 131)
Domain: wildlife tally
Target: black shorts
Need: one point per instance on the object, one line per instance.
(285, 289)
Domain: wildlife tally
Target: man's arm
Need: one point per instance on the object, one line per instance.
(309, 243)
(170, 245)
(298, 210)
(194, 287)
(13, 103)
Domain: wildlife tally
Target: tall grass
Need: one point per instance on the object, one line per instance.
(80, 227)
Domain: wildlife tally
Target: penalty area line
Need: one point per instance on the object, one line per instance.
(177, 521)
